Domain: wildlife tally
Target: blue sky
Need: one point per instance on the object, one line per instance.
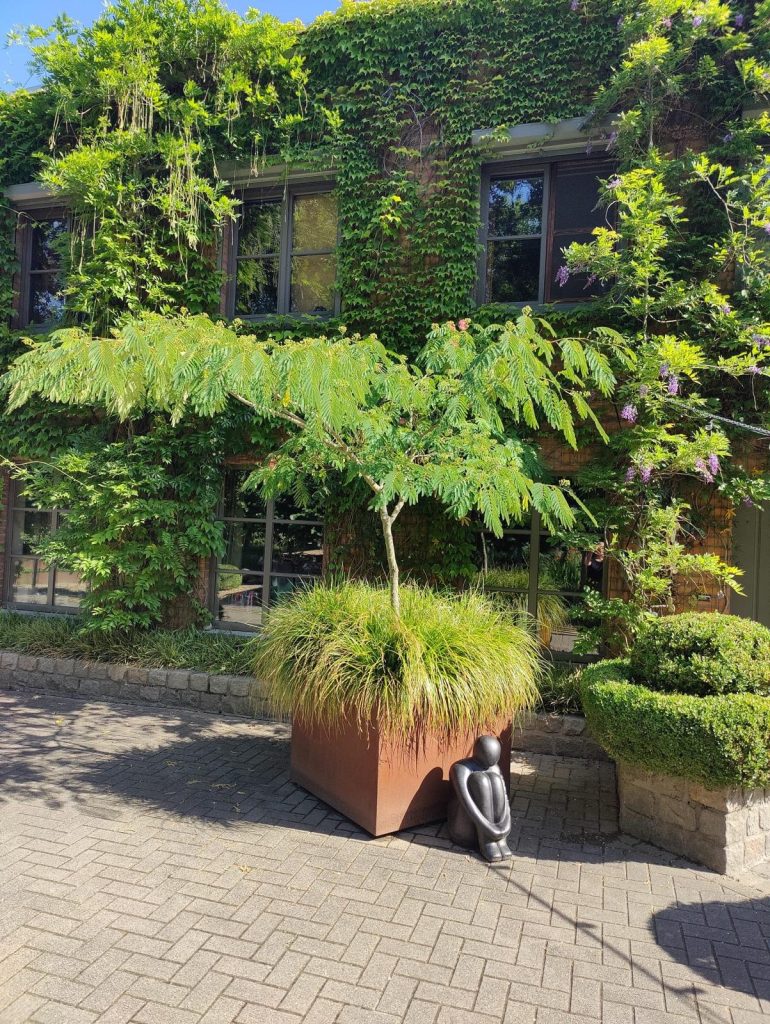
(13, 59)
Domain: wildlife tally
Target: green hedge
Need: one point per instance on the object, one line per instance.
(60, 637)
(703, 654)
(717, 741)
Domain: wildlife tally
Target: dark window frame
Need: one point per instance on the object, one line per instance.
(10, 556)
(285, 195)
(535, 533)
(28, 217)
(269, 520)
(523, 167)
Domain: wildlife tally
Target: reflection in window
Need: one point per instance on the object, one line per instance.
(514, 238)
(285, 262)
(541, 578)
(270, 549)
(46, 295)
(31, 582)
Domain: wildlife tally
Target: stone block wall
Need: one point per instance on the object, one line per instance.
(228, 695)
(564, 735)
(727, 829)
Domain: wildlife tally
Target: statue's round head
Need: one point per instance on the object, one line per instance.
(487, 750)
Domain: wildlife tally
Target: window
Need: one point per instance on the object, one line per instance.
(285, 255)
(529, 214)
(40, 295)
(270, 548)
(542, 576)
(31, 582)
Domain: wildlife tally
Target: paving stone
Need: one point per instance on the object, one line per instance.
(158, 867)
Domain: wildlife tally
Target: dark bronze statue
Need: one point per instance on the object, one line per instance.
(479, 812)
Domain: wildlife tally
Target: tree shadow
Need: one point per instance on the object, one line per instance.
(724, 943)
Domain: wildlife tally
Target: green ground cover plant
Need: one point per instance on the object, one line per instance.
(717, 741)
(59, 637)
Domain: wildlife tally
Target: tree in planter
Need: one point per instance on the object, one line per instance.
(444, 428)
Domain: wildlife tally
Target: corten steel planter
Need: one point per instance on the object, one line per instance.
(381, 784)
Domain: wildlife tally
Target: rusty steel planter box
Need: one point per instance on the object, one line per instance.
(382, 785)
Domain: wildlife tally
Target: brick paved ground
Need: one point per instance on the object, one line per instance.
(159, 868)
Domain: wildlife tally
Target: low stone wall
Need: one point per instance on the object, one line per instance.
(564, 735)
(228, 695)
(725, 829)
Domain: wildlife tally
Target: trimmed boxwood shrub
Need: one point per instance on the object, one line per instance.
(703, 653)
(717, 741)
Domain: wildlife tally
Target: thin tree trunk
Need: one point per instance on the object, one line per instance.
(390, 550)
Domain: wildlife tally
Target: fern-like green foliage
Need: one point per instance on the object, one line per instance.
(441, 428)
(449, 663)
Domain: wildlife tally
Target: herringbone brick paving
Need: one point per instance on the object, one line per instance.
(159, 867)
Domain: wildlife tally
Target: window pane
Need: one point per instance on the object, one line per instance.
(241, 504)
(29, 581)
(513, 271)
(44, 237)
(561, 565)
(557, 621)
(260, 231)
(314, 222)
(312, 284)
(239, 599)
(68, 589)
(297, 549)
(244, 547)
(46, 299)
(28, 529)
(286, 508)
(256, 292)
(516, 206)
(504, 561)
(284, 586)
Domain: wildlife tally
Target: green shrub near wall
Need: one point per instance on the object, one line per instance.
(716, 741)
(702, 654)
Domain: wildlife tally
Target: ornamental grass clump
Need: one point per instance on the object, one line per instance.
(447, 663)
(702, 654)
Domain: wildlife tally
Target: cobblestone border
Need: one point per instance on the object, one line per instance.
(563, 735)
(225, 695)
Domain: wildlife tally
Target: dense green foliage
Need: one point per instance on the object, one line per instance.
(51, 636)
(558, 690)
(142, 117)
(449, 662)
(347, 405)
(717, 741)
(703, 654)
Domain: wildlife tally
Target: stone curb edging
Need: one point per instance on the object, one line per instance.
(563, 735)
(219, 694)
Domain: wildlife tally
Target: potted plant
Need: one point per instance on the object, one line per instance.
(362, 671)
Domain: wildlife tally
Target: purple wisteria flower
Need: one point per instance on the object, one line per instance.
(645, 473)
(738, 20)
(728, 137)
(591, 281)
(614, 183)
(643, 391)
(589, 147)
(704, 471)
(697, 21)
(672, 386)
(562, 275)
(754, 370)
(630, 474)
(663, 371)
(667, 23)
(612, 138)
(713, 461)
(620, 22)
(574, 5)
(629, 413)
(766, 228)
(761, 340)
(748, 503)
(724, 308)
